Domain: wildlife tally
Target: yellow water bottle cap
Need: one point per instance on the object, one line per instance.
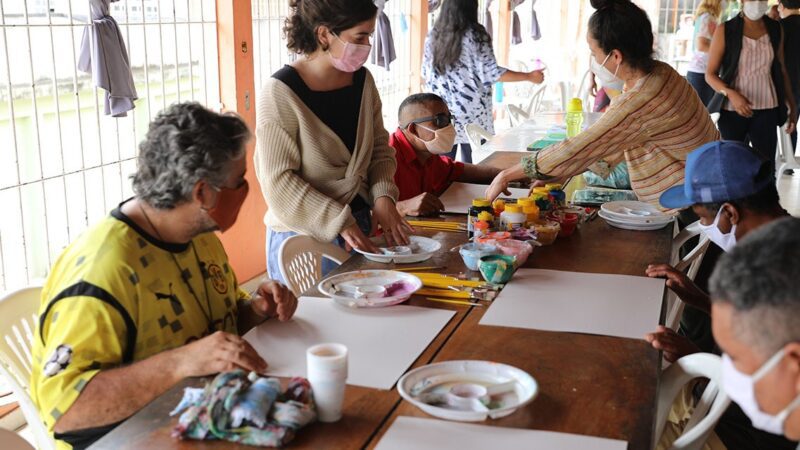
(513, 209)
(575, 105)
(523, 202)
(480, 202)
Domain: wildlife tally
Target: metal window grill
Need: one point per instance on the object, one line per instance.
(63, 164)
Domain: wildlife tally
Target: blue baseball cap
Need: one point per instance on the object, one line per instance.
(717, 172)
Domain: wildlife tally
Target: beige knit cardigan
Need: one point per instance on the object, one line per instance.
(307, 175)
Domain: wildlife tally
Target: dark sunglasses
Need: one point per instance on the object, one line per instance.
(440, 120)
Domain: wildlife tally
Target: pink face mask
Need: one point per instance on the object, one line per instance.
(353, 56)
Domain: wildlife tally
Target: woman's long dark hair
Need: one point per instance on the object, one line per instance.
(457, 17)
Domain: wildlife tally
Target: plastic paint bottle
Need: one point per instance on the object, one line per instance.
(481, 228)
(523, 202)
(488, 218)
(532, 215)
(499, 206)
(479, 205)
(512, 218)
(557, 193)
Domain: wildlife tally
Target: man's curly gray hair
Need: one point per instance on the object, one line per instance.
(186, 143)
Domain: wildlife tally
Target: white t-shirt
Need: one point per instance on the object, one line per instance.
(704, 27)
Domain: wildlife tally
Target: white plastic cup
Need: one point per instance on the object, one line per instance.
(326, 368)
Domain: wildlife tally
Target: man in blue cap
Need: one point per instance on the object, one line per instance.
(733, 192)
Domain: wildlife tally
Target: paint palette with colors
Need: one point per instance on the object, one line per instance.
(370, 288)
(419, 249)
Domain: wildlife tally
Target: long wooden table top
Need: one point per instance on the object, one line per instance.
(595, 385)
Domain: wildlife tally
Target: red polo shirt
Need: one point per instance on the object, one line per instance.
(413, 177)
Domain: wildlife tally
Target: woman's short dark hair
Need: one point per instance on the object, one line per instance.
(621, 25)
(457, 18)
(186, 143)
(337, 15)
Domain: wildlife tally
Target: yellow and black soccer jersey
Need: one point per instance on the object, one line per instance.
(116, 295)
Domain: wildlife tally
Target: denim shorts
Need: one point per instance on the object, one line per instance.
(276, 238)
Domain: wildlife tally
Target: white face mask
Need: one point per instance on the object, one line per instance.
(755, 10)
(604, 77)
(725, 241)
(442, 141)
(741, 388)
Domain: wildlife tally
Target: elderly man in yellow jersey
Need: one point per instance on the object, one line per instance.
(146, 297)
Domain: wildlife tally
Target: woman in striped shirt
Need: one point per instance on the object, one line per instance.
(653, 125)
(746, 67)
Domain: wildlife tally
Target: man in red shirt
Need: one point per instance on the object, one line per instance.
(426, 133)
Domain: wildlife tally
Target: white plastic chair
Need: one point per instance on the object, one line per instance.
(476, 133)
(585, 90)
(689, 264)
(300, 260)
(18, 319)
(709, 408)
(784, 159)
(565, 87)
(518, 114)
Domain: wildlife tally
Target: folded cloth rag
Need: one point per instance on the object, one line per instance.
(250, 410)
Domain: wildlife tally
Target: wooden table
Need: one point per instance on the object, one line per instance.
(596, 385)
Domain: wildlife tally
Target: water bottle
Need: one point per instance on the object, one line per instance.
(574, 117)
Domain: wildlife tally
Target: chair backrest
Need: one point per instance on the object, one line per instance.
(689, 264)
(18, 317)
(300, 260)
(708, 410)
(475, 133)
(585, 90)
(566, 93)
(516, 114)
(536, 101)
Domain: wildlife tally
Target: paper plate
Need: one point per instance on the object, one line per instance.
(427, 382)
(635, 212)
(631, 225)
(421, 248)
(361, 289)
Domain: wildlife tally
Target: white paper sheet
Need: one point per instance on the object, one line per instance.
(431, 434)
(382, 342)
(458, 197)
(613, 305)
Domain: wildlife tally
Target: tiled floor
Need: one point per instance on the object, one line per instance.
(789, 190)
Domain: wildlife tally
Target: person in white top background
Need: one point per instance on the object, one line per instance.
(706, 19)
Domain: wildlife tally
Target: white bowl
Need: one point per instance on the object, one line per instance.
(440, 377)
(421, 249)
(631, 225)
(635, 212)
(358, 289)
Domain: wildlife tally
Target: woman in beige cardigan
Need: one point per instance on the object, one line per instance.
(322, 154)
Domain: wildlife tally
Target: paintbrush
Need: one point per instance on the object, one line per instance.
(453, 302)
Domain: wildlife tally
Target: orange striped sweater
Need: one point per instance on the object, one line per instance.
(653, 126)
